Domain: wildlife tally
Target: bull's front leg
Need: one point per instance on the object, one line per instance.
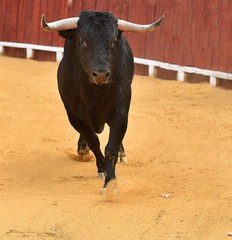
(117, 131)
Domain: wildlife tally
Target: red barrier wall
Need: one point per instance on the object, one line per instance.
(194, 33)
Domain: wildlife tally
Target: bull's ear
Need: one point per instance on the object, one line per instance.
(67, 34)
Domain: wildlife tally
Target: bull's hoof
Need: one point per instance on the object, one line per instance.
(104, 191)
(122, 159)
(101, 174)
(122, 155)
(83, 151)
(115, 191)
(110, 190)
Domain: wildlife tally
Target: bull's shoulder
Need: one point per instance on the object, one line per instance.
(125, 67)
(126, 49)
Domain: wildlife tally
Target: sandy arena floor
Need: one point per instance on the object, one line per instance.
(178, 142)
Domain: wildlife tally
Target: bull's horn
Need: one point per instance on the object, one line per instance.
(137, 28)
(65, 24)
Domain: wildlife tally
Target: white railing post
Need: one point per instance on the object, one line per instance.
(213, 81)
(181, 76)
(30, 53)
(59, 56)
(151, 70)
(2, 49)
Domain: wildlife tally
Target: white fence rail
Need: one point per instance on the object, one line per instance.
(182, 72)
(31, 47)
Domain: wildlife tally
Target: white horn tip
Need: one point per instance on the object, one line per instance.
(157, 23)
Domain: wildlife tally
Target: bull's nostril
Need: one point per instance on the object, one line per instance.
(93, 74)
(107, 75)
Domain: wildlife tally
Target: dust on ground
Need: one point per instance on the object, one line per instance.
(178, 142)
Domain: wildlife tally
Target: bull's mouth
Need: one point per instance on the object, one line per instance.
(100, 82)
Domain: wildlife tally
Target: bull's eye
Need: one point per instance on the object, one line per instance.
(83, 43)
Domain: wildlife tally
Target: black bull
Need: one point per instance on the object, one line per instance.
(94, 80)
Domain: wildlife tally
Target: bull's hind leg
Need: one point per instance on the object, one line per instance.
(122, 155)
(82, 148)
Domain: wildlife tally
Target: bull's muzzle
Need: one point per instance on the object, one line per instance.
(100, 77)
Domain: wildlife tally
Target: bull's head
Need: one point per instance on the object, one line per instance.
(97, 37)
